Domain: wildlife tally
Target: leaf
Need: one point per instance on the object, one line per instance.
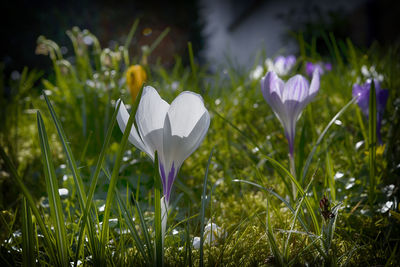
(203, 207)
(28, 245)
(372, 142)
(56, 211)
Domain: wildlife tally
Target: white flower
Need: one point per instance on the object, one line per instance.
(196, 242)
(281, 65)
(175, 131)
(257, 73)
(212, 233)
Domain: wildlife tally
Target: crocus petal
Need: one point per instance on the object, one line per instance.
(271, 84)
(314, 86)
(309, 68)
(294, 96)
(382, 97)
(287, 100)
(328, 66)
(290, 62)
(122, 119)
(150, 118)
(185, 126)
(296, 88)
(272, 87)
(361, 92)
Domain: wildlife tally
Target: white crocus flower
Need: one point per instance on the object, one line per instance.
(212, 233)
(175, 131)
(281, 65)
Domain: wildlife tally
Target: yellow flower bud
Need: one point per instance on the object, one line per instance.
(135, 77)
(380, 149)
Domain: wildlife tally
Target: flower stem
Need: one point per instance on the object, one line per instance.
(293, 172)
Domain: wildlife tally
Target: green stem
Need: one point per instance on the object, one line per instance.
(159, 238)
(293, 172)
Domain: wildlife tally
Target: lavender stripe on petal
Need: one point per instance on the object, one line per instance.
(163, 177)
(170, 182)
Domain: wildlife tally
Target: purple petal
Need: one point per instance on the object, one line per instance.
(381, 97)
(290, 132)
(163, 177)
(328, 66)
(280, 60)
(309, 68)
(362, 94)
(296, 88)
(171, 179)
(271, 84)
(167, 182)
(290, 61)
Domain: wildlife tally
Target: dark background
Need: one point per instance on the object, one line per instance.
(22, 21)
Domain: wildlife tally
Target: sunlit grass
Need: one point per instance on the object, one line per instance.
(239, 179)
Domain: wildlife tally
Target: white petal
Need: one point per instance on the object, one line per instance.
(150, 118)
(314, 87)
(176, 148)
(184, 113)
(196, 242)
(122, 118)
(184, 130)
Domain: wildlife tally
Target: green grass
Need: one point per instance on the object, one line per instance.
(239, 178)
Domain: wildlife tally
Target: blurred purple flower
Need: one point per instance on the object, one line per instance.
(281, 65)
(321, 67)
(362, 94)
(288, 100)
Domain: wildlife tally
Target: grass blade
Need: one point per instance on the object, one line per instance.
(131, 226)
(70, 157)
(203, 207)
(28, 245)
(114, 176)
(158, 40)
(372, 142)
(192, 65)
(272, 192)
(279, 166)
(330, 177)
(129, 40)
(321, 136)
(53, 195)
(159, 242)
(93, 186)
(49, 239)
(272, 241)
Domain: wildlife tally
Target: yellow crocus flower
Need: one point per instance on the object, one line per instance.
(135, 77)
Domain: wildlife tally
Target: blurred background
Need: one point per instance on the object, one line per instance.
(219, 30)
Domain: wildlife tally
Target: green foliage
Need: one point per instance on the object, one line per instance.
(238, 179)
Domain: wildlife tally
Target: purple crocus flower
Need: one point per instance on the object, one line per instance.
(321, 67)
(175, 131)
(362, 94)
(288, 100)
(281, 65)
